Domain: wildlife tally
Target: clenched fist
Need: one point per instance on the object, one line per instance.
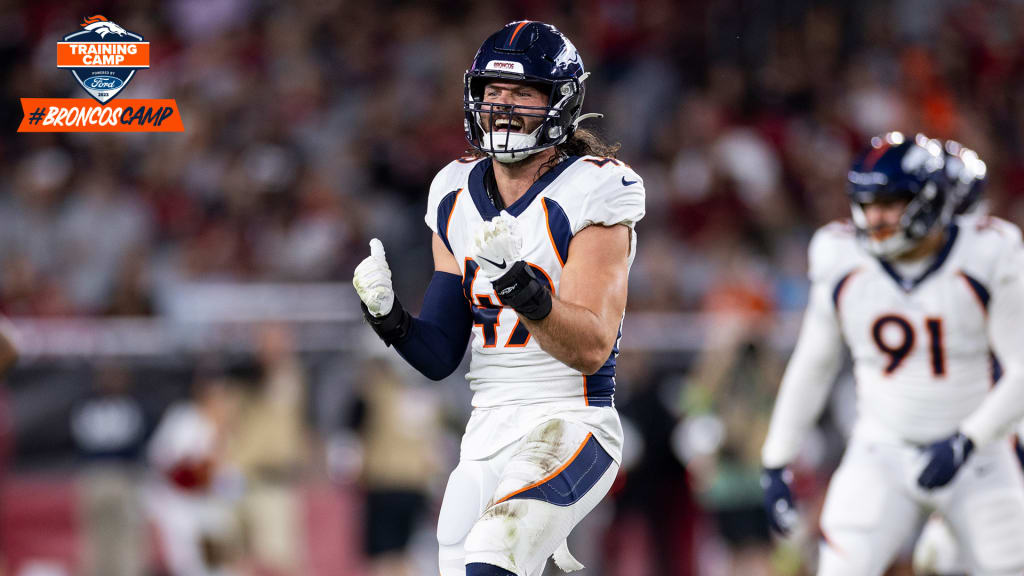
(372, 279)
(497, 245)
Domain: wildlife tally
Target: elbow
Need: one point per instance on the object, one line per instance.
(440, 370)
(438, 374)
(593, 359)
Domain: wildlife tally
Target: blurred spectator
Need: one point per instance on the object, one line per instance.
(268, 447)
(654, 528)
(190, 498)
(109, 430)
(98, 227)
(131, 293)
(399, 426)
(728, 400)
(8, 357)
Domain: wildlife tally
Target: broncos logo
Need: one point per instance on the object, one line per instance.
(100, 25)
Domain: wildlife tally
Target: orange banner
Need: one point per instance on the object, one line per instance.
(83, 115)
(102, 54)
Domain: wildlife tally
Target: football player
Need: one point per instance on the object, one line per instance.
(532, 240)
(923, 303)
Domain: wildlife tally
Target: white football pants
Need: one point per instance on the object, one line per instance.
(514, 509)
(874, 506)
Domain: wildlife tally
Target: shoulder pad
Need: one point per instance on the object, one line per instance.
(833, 251)
(997, 252)
(609, 192)
(991, 224)
(451, 177)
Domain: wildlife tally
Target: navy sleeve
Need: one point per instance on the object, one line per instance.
(437, 339)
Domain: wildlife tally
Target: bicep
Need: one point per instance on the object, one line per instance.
(819, 347)
(596, 273)
(444, 261)
(808, 379)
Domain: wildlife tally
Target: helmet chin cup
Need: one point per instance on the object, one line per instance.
(892, 247)
(895, 245)
(510, 147)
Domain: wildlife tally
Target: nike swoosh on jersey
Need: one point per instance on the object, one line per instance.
(502, 265)
(628, 182)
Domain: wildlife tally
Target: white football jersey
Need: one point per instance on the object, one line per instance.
(921, 348)
(508, 367)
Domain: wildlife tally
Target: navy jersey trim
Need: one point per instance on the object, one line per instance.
(997, 368)
(837, 292)
(486, 208)
(559, 229)
(599, 389)
(907, 284)
(444, 216)
(574, 480)
(978, 288)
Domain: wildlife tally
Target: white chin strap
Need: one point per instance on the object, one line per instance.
(507, 147)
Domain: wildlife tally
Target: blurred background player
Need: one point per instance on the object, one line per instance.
(533, 240)
(921, 302)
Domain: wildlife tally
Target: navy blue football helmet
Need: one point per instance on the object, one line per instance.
(533, 53)
(965, 176)
(894, 168)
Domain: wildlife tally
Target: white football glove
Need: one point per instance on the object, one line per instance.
(372, 280)
(497, 245)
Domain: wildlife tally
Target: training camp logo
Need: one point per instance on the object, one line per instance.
(102, 57)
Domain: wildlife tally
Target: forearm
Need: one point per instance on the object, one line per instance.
(431, 350)
(806, 383)
(573, 335)
(800, 402)
(1002, 408)
(1004, 405)
(435, 342)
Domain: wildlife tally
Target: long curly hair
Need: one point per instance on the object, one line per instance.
(585, 142)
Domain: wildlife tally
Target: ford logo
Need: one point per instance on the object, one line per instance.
(103, 83)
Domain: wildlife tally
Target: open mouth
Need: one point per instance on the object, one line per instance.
(506, 124)
(882, 233)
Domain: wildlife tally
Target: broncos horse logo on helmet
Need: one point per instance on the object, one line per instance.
(892, 169)
(100, 25)
(534, 53)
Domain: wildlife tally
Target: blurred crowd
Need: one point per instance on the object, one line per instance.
(312, 126)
